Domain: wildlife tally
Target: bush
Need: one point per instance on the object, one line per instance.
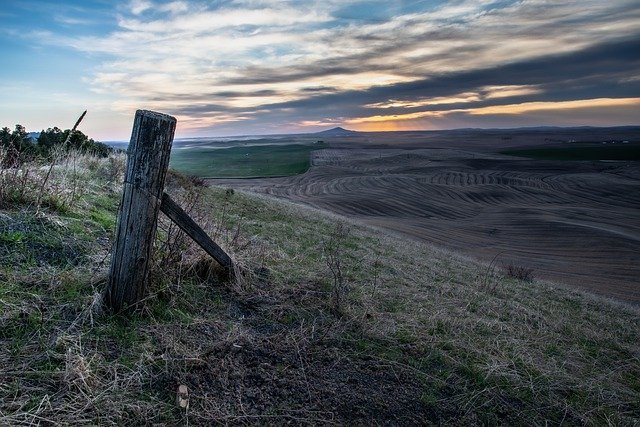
(333, 252)
(519, 272)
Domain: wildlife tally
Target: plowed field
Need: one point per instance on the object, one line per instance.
(574, 222)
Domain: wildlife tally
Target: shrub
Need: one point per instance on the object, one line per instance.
(333, 252)
(519, 272)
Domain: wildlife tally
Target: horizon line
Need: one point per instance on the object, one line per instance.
(395, 131)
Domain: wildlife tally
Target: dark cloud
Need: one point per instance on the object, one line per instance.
(596, 72)
(466, 45)
(234, 94)
(592, 73)
(319, 89)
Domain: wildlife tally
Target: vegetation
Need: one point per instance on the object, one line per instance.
(519, 272)
(396, 332)
(618, 151)
(19, 147)
(244, 161)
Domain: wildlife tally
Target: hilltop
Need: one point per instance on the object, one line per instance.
(337, 131)
(330, 322)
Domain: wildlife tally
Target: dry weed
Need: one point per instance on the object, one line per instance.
(518, 272)
(334, 251)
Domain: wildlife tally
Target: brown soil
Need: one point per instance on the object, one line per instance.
(573, 222)
(266, 372)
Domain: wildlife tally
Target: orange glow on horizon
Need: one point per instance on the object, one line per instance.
(378, 122)
(391, 126)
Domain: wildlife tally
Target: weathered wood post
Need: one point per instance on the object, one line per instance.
(193, 230)
(146, 171)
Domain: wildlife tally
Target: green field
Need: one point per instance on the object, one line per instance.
(244, 161)
(581, 152)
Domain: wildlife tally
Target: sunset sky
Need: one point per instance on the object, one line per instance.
(282, 66)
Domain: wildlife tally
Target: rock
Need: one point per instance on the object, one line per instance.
(182, 397)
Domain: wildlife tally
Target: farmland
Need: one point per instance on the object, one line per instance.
(576, 223)
(238, 159)
(581, 152)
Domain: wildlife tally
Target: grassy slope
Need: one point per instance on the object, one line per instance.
(421, 336)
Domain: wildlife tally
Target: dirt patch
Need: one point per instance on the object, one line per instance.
(311, 384)
(262, 363)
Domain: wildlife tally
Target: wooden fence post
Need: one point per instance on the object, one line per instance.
(147, 164)
(193, 230)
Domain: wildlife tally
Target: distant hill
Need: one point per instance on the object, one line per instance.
(338, 131)
(122, 145)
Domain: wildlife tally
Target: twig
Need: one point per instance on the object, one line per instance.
(53, 162)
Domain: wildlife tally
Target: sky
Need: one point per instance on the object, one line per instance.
(243, 67)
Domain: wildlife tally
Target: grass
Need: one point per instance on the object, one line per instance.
(245, 161)
(581, 152)
(419, 338)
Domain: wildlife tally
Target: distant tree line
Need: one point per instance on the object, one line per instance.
(20, 144)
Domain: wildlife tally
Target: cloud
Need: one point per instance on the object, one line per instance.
(484, 92)
(175, 7)
(69, 20)
(314, 62)
(139, 6)
(508, 109)
(583, 74)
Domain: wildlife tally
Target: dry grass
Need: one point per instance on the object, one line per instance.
(419, 339)
(58, 185)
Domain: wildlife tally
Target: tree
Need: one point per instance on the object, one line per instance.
(20, 139)
(5, 137)
(53, 137)
(49, 138)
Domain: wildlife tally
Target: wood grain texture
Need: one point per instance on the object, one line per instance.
(193, 230)
(148, 159)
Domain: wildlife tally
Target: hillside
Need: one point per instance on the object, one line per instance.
(337, 131)
(330, 322)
